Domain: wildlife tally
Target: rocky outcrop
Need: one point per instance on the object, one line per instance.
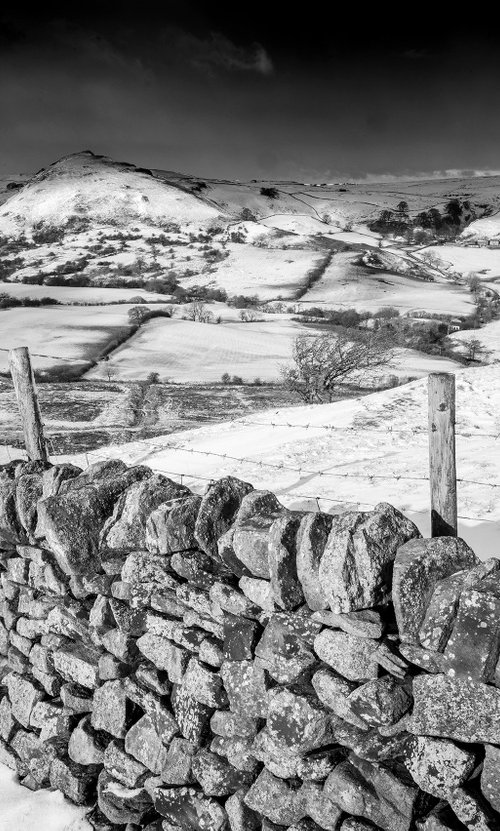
(219, 663)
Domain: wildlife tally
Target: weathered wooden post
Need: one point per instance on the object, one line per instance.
(442, 462)
(24, 385)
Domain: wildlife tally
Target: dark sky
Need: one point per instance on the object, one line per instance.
(253, 89)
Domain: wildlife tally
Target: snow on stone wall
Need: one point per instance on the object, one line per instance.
(187, 663)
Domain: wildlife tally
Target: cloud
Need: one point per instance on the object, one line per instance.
(450, 173)
(217, 52)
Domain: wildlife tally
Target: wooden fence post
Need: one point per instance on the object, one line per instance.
(442, 463)
(24, 385)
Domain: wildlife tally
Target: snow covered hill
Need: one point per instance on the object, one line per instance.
(84, 187)
(352, 453)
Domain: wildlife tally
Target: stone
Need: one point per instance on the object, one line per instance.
(23, 696)
(78, 663)
(111, 668)
(144, 744)
(348, 655)
(211, 652)
(278, 759)
(333, 691)
(156, 680)
(312, 537)
(216, 776)
(75, 781)
(7, 721)
(275, 799)
(54, 476)
(239, 815)
(457, 709)
(120, 804)
(7, 757)
(490, 776)
(11, 530)
(29, 489)
(220, 503)
(240, 636)
(238, 752)
(17, 570)
(52, 720)
(196, 567)
(71, 522)
(282, 559)
(425, 659)
(287, 656)
(177, 767)
(77, 699)
(247, 687)
(125, 530)
(356, 565)
(382, 701)
(175, 630)
(146, 574)
(153, 705)
(171, 526)
(318, 765)
(318, 804)
(165, 655)
(441, 611)
(473, 648)
(472, 811)
(371, 791)
(231, 600)
(372, 744)
(230, 725)
(34, 758)
(439, 766)
(122, 766)
(112, 710)
(297, 722)
(245, 547)
(189, 809)
(121, 645)
(130, 621)
(364, 624)
(419, 565)
(86, 745)
(204, 685)
(192, 717)
(258, 592)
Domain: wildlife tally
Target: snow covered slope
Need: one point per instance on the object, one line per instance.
(355, 452)
(88, 187)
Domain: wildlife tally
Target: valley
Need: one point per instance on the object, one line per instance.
(168, 289)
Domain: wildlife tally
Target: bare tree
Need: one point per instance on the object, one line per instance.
(197, 310)
(474, 283)
(474, 347)
(322, 362)
(248, 315)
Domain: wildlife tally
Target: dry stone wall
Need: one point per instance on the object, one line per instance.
(219, 663)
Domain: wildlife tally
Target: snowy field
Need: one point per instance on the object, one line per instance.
(185, 351)
(464, 260)
(267, 272)
(356, 452)
(350, 286)
(488, 335)
(84, 294)
(59, 334)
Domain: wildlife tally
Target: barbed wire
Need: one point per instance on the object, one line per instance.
(293, 495)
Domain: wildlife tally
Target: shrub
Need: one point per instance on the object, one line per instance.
(271, 193)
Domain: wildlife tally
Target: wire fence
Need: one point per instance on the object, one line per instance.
(151, 447)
